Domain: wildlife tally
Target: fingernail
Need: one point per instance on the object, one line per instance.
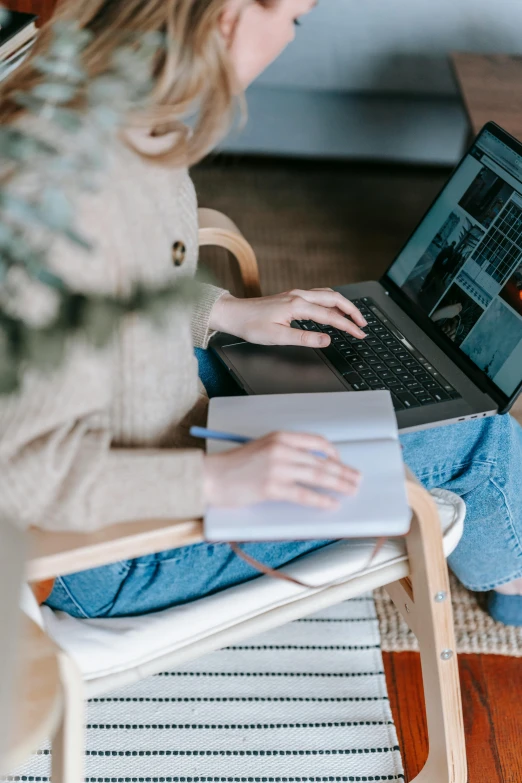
(324, 340)
(361, 334)
(364, 321)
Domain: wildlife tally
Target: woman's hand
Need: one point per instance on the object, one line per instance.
(279, 466)
(267, 320)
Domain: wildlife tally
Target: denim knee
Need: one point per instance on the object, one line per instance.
(490, 552)
(482, 462)
(91, 593)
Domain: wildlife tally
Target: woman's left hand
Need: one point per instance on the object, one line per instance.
(267, 320)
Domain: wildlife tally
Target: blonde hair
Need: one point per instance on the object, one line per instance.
(193, 71)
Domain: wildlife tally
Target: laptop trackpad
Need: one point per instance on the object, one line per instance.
(281, 370)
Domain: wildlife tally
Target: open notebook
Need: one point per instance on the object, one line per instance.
(364, 429)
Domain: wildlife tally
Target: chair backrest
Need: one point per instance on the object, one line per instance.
(12, 564)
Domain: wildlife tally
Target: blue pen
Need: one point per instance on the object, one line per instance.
(203, 432)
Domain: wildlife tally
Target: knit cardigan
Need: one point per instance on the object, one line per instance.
(104, 439)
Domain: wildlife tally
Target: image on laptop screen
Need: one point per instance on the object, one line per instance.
(463, 265)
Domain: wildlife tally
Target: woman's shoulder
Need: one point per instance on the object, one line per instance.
(132, 152)
(131, 209)
(139, 159)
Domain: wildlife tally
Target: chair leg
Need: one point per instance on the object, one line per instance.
(424, 600)
(68, 742)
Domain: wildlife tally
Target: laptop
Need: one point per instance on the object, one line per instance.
(444, 332)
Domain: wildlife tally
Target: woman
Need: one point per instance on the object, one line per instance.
(105, 439)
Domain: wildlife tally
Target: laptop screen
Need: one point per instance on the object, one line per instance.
(463, 265)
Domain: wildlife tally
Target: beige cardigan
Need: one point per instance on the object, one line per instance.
(104, 439)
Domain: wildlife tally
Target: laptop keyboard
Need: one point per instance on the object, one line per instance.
(384, 360)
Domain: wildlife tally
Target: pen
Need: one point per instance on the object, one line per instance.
(203, 432)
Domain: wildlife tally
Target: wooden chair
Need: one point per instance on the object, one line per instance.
(413, 570)
(40, 687)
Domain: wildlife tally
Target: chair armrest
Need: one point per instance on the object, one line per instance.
(54, 554)
(424, 542)
(217, 229)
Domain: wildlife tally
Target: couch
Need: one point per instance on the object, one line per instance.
(372, 80)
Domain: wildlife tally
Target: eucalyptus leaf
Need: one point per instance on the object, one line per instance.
(16, 145)
(54, 92)
(100, 320)
(59, 68)
(19, 248)
(54, 213)
(33, 259)
(9, 380)
(68, 40)
(72, 311)
(49, 278)
(29, 102)
(69, 120)
(77, 239)
(18, 208)
(106, 117)
(31, 216)
(62, 166)
(56, 206)
(7, 235)
(44, 347)
(64, 49)
(157, 313)
(106, 89)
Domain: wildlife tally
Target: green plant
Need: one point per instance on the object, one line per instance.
(37, 187)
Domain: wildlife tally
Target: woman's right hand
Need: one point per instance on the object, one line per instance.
(279, 466)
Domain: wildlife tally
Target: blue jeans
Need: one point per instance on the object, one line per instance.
(479, 460)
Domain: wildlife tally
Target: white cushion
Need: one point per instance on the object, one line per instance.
(106, 646)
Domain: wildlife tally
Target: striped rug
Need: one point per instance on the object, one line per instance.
(304, 703)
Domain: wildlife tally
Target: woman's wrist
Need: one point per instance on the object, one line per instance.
(221, 315)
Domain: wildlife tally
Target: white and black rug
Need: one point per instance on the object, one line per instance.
(305, 703)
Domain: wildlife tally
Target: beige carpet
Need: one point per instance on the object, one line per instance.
(323, 224)
(276, 708)
(475, 631)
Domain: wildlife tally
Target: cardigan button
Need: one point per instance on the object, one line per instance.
(179, 252)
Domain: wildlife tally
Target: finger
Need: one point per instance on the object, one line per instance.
(330, 316)
(303, 496)
(305, 442)
(286, 455)
(317, 476)
(329, 298)
(277, 334)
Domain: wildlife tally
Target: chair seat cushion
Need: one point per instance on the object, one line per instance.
(105, 646)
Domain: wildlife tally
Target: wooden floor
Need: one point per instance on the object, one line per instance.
(325, 224)
(491, 694)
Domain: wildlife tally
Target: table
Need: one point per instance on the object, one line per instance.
(491, 87)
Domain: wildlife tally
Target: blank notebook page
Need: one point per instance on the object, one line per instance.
(363, 427)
